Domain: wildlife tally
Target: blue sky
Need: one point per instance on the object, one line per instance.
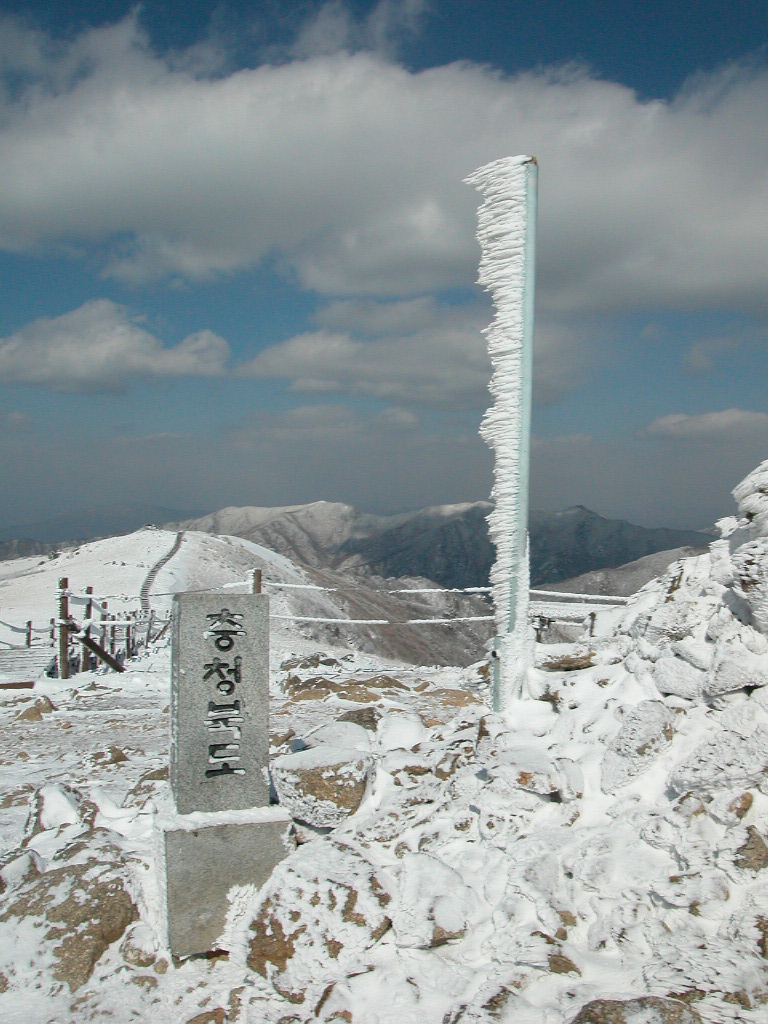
(237, 259)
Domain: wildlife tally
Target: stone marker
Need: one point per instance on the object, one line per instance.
(221, 833)
(220, 702)
(203, 864)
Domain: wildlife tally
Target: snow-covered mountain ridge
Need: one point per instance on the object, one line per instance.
(445, 543)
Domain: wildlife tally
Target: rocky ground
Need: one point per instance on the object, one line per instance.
(599, 855)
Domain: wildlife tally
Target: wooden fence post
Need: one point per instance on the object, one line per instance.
(29, 632)
(257, 581)
(63, 628)
(85, 654)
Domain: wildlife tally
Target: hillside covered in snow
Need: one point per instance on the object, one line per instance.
(598, 855)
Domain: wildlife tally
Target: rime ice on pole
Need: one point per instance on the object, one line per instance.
(507, 235)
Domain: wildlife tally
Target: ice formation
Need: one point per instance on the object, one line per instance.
(506, 232)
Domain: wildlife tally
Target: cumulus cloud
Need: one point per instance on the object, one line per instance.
(346, 168)
(99, 347)
(444, 362)
(725, 426)
(413, 352)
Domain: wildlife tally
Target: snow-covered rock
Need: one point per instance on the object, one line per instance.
(323, 784)
(645, 1010)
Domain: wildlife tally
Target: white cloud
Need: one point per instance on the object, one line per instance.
(413, 352)
(333, 28)
(443, 363)
(396, 418)
(98, 347)
(370, 318)
(702, 357)
(348, 169)
(726, 426)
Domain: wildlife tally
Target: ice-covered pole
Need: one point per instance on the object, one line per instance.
(507, 235)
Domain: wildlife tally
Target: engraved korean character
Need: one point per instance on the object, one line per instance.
(224, 626)
(226, 677)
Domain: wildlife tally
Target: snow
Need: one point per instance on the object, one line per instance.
(602, 839)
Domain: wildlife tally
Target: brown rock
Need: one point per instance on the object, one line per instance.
(754, 853)
(741, 805)
(134, 954)
(146, 786)
(569, 662)
(322, 786)
(537, 782)
(217, 1016)
(620, 1011)
(42, 706)
(561, 964)
(316, 923)
(440, 936)
(16, 797)
(367, 717)
(270, 943)
(85, 907)
(455, 698)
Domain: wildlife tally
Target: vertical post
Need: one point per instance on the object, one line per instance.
(507, 236)
(104, 616)
(85, 654)
(29, 632)
(63, 628)
(256, 589)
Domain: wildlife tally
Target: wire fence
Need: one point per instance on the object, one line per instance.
(99, 633)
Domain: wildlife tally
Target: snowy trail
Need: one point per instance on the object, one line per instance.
(152, 574)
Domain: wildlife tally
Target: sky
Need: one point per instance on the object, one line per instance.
(238, 260)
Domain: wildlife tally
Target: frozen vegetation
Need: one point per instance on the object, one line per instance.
(597, 854)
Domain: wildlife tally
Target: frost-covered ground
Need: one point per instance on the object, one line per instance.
(606, 840)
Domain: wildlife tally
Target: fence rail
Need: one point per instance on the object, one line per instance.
(120, 638)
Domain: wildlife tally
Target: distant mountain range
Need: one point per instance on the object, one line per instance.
(445, 543)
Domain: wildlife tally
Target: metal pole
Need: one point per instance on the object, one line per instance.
(507, 236)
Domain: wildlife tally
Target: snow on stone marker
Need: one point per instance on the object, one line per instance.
(507, 235)
(221, 832)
